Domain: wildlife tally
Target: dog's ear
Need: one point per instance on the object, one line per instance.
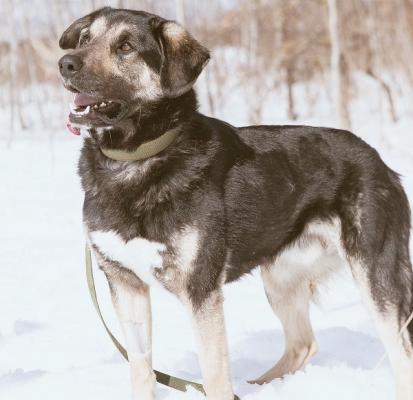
(70, 36)
(183, 58)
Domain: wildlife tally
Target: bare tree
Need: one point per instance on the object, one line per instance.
(180, 11)
(337, 69)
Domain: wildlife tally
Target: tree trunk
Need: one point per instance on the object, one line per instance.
(180, 11)
(291, 104)
(338, 77)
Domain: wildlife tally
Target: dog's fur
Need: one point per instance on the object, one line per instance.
(297, 201)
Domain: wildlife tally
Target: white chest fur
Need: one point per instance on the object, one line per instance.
(139, 255)
(142, 256)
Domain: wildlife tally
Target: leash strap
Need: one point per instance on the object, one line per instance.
(161, 377)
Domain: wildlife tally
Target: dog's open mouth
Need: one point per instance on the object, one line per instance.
(89, 111)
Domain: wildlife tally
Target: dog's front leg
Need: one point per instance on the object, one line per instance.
(209, 326)
(133, 307)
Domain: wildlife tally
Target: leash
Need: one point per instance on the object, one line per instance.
(162, 378)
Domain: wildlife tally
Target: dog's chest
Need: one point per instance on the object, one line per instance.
(153, 262)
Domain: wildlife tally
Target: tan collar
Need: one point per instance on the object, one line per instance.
(145, 150)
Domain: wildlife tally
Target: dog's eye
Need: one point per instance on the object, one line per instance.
(125, 47)
(84, 39)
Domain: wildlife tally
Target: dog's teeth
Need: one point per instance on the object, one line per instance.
(110, 101)
(95, 106)
(75, 111)
(103, 104)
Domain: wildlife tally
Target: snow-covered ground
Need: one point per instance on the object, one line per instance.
(52, 345)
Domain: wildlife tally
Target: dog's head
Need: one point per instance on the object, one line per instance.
(122, 60)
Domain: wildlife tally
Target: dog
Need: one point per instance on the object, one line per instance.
(186, 202)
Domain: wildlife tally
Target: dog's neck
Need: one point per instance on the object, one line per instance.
(148, 124)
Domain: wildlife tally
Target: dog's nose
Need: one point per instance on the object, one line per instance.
(69, 65)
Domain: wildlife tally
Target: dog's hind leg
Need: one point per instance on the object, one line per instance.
(390, 315)
(390, 306)
(291, 305)
(376, 242)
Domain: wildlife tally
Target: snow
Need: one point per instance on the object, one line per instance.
(53, 346)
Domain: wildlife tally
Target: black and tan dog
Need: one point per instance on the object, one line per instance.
(184, 201)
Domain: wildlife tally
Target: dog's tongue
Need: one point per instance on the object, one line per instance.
(74, 130)
(82, 99)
